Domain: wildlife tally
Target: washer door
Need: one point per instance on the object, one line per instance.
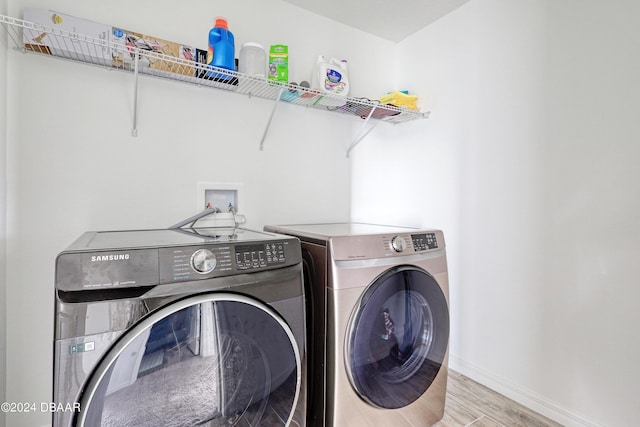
(397, 338)
(210, 360)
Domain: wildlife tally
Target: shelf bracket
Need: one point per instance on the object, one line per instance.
(134, 128)
(362, 133)
(273, 111)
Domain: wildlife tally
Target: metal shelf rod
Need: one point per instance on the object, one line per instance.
(273, 111)
(134, 129)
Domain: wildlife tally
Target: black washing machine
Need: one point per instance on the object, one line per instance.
(180, 327)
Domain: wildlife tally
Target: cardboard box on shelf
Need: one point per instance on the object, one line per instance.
(75, 38)
(62, 40)
(182, 61)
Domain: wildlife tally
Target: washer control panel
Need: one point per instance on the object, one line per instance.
(197, 262)
(193, 262)
(259, 255)
(144, 258)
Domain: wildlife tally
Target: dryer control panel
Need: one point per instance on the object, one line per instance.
(385, 245)
(419, 242)
(411, 242)
(423, 242)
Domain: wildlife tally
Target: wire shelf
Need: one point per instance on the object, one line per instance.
(44, 40)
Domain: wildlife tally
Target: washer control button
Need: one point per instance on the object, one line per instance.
(203, 261)
(398, 244)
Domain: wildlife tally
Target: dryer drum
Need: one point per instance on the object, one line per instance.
(397, 338)
(212, 360)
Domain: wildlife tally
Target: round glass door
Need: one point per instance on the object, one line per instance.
(397, 338)
(211, 360)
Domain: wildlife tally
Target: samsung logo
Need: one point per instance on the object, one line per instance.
(111, 257)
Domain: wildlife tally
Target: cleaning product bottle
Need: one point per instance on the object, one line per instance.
(221, 49)
(331, 76)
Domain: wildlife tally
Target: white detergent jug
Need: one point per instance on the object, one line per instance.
(330, 77)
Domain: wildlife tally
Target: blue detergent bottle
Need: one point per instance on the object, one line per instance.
(221, 50)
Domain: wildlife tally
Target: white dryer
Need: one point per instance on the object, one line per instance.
(380, 324)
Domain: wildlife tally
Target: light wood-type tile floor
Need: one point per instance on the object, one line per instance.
(474, 405)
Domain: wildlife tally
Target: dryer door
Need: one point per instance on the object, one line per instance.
(397, 338)
(210, 360)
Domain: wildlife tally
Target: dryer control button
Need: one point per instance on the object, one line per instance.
(398, 244)
(203, 261)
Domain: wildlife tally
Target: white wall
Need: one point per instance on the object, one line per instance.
(529, 164)
(73, 166)
(3, 211)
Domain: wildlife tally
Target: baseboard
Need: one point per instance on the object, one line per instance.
(521, 395)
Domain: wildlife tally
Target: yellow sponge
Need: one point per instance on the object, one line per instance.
(400, 99)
